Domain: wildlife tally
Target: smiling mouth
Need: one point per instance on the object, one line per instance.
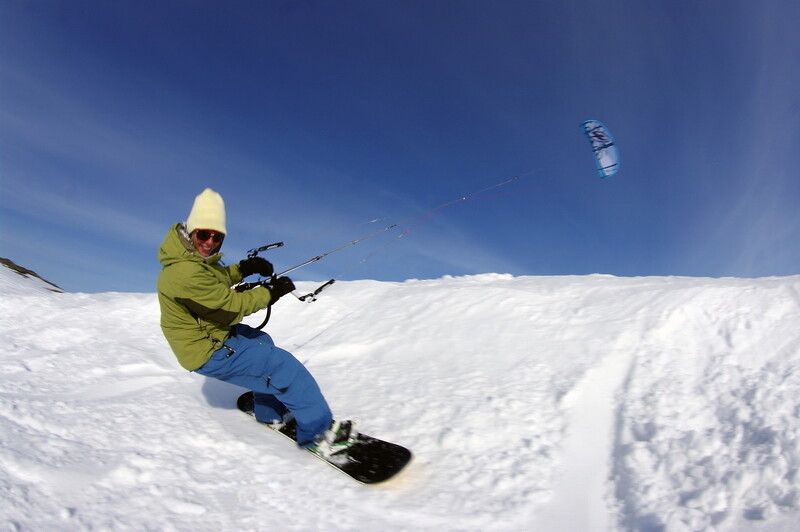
(206, 250)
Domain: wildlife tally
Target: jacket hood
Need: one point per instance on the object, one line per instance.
(177, 247)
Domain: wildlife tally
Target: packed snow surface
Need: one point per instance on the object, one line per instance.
(531, 403)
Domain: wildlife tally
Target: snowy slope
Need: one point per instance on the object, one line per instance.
(23, 281)
(531, 403)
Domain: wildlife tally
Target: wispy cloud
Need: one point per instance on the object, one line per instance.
(766, 213)
(75, 213)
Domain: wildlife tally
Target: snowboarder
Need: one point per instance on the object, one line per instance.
(201, 315)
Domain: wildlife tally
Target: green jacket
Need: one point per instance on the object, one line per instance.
(198, 307)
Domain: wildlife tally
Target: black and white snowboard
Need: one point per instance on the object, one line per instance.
(369, 460)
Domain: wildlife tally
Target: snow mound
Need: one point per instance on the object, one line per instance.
(18, 280)
(531, 403)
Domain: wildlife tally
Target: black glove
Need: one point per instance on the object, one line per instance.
(256, 265)
(279, 287)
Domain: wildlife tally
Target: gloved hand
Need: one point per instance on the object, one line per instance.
(257, 265)
(279, 287)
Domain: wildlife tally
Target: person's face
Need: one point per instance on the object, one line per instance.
(207, 242)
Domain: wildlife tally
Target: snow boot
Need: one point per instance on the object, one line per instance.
(340, 436)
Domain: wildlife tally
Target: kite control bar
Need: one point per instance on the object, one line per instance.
(253, 252)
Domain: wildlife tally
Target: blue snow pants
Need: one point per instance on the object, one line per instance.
(279, 381)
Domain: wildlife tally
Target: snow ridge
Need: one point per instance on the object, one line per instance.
(535, 403)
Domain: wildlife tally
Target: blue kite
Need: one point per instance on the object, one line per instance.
(606, 154)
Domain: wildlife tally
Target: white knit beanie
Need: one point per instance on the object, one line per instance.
(208, 212)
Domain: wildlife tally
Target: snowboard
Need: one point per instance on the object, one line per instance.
(369, 460)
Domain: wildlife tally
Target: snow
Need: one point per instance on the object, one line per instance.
(531, 403)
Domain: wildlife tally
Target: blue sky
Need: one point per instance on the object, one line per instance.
(310, 117)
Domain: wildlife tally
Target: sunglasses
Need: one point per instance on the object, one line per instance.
(202, 235)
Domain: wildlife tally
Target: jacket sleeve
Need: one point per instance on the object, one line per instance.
(234, 273)
(206, 294)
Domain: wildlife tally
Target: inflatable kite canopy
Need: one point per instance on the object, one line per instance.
(606, 154)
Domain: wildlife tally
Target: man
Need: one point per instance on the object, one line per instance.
(201, 315)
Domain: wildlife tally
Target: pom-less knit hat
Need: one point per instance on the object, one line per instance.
(208, 212)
